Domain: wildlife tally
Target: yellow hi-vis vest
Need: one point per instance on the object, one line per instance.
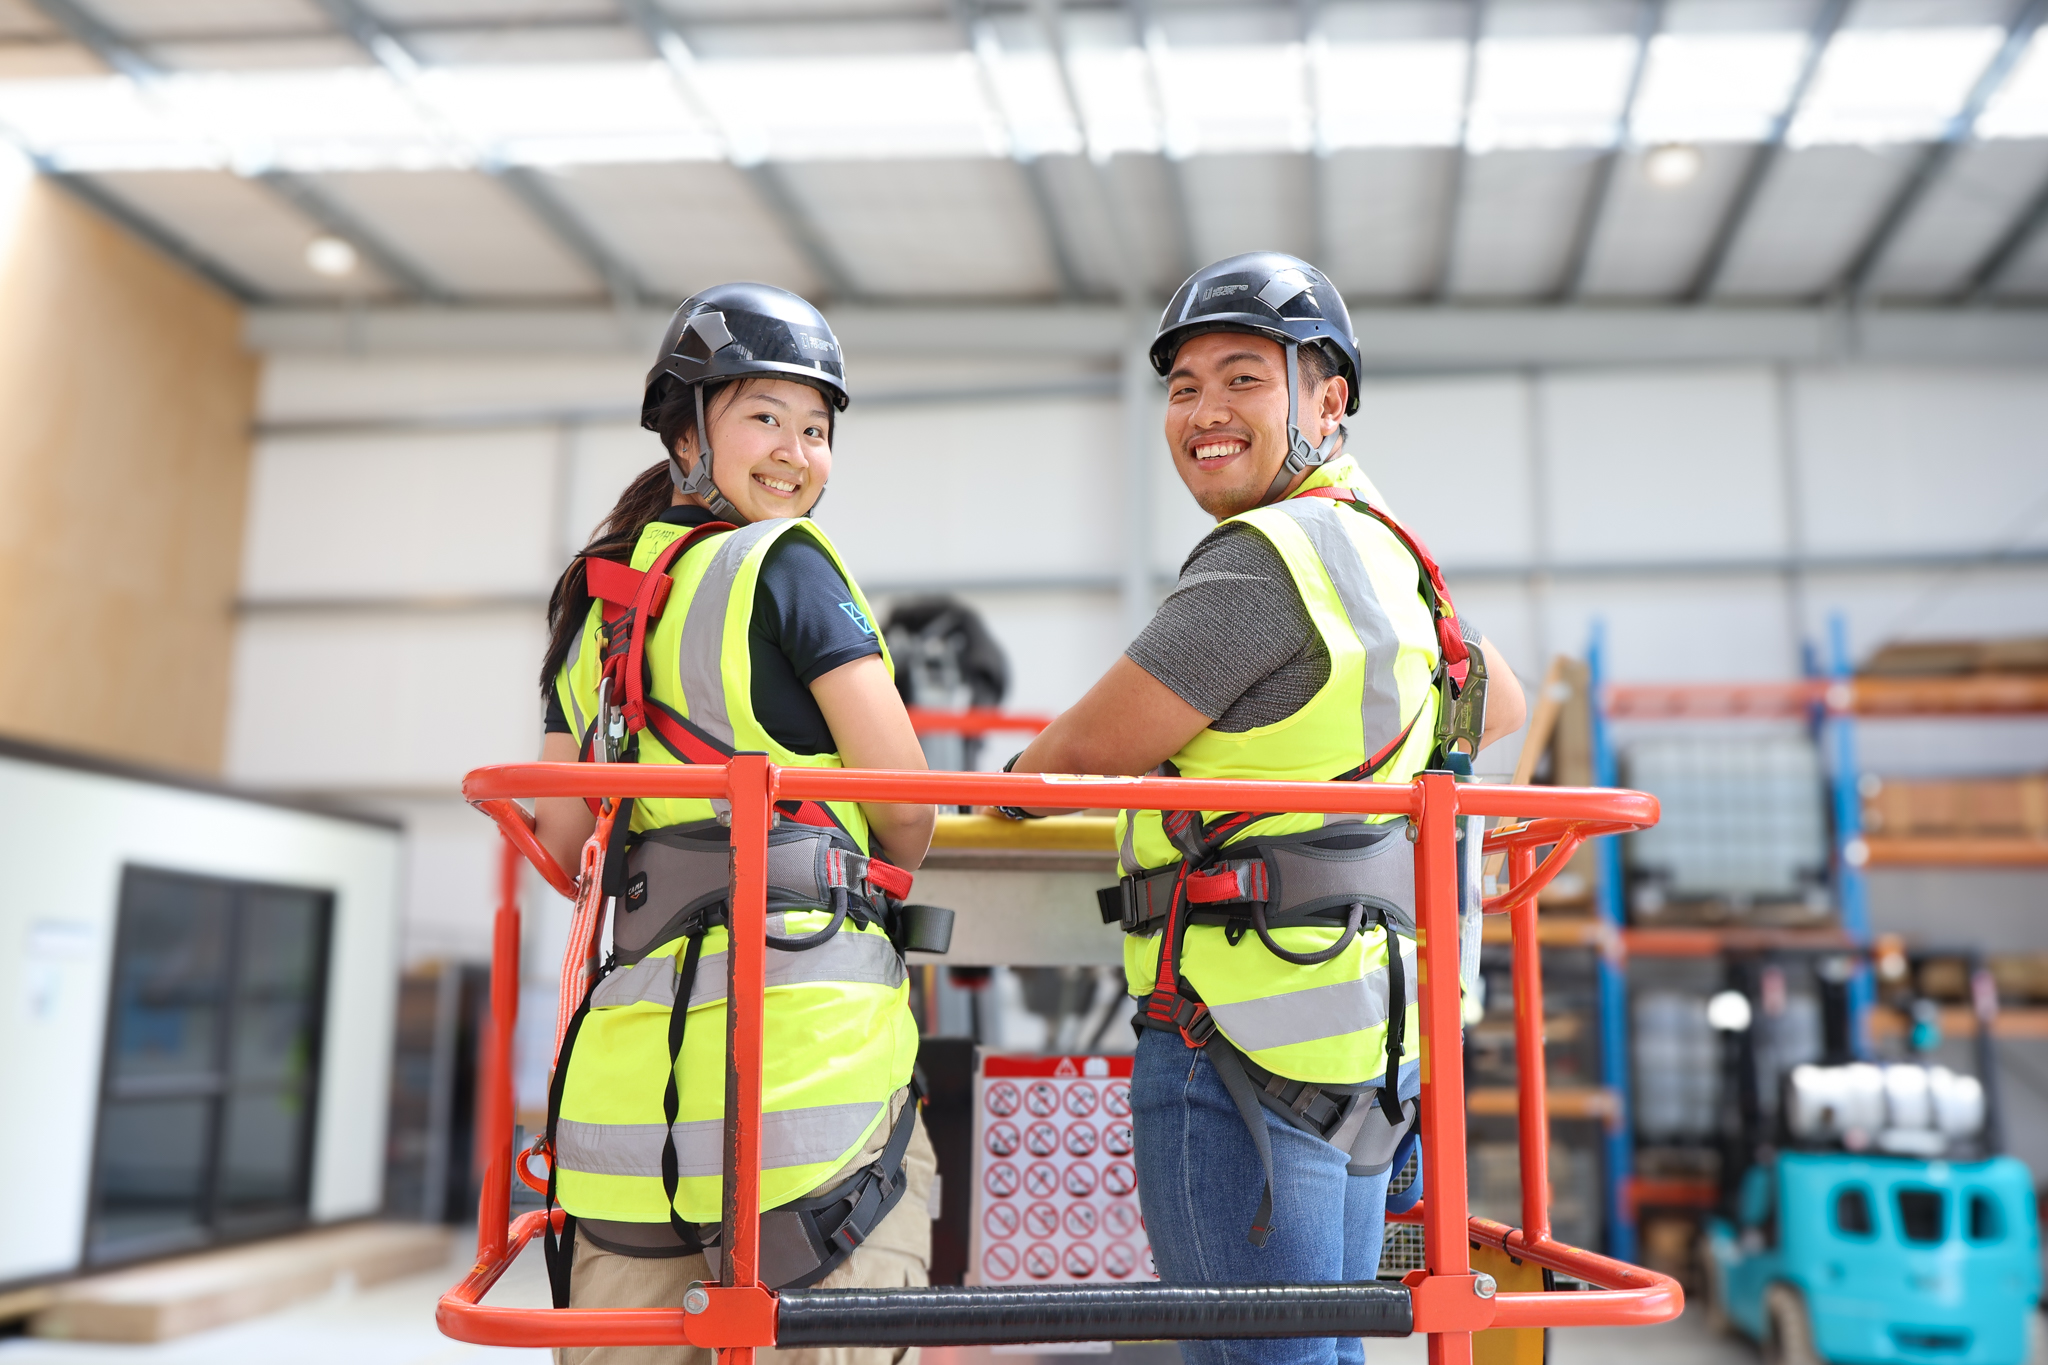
(1325, 1024)
(839, 1040)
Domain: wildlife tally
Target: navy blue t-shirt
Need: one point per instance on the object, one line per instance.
(806, 623)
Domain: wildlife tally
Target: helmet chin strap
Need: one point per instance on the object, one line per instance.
(1301, 456)
(697, 482)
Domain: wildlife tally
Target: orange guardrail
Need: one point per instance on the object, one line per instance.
(1447, 1299)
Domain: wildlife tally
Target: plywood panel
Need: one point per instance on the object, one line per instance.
(123, 464)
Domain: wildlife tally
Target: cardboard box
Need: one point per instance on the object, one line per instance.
(1900, 808)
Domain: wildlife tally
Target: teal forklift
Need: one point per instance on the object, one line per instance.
(1868, 1215)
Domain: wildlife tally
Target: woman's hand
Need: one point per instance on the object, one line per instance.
(871, 730)
(562, 823)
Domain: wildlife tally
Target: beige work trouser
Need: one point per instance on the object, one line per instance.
(896, 1255)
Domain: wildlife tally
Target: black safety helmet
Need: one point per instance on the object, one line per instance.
(1269, 294)
(739, 331)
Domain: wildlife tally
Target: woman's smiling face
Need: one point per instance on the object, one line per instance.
(771, 447)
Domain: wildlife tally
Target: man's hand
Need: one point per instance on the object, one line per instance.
(1129, 723)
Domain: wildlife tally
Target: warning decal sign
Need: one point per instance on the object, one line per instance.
(1055, 1193)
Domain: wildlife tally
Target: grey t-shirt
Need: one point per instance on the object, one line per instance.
(1233, 639)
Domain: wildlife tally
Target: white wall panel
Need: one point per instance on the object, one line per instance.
(381, 702)
(946, 493)
(1670, 628)
(1452, 458)
(65, 836)
(431, 514)
(1934, 603)
(323, 386)
(603, 459)
(1919, 460)
(1672, 465)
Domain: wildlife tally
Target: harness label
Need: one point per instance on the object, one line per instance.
(1055, 1194)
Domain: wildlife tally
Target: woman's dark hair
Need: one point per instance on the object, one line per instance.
(647, 497)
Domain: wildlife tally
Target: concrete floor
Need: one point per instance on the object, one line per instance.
(393, 1324)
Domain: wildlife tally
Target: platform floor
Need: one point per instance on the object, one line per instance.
(393, 1324)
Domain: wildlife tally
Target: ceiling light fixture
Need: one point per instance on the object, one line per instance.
(1672, 165)
(331, 256)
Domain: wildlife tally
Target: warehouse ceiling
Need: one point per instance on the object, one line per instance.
(1432, 151)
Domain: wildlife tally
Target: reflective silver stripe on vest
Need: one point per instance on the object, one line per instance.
(1381, 709)
(700, 660)
(569, 671)
(1305, 1016)
(867, 959)
(789, 1137)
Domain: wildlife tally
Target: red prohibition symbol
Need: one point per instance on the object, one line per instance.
(1080, 1220)
(1002, 1099)
(1040, 1261)
(1040, 1180)
(1041, 1098)
(1040, 1139)
(1081, 1139)
(1121, 1219)
(1041, 1220)
(1082, 1100)
(1116, 1139)
(999, 1263)
(1001, 1139)
(1118, 1261)
(1001, 1179)
(1119, 1179)
(1000, 1221)
(1080, 1260)
(1080, 1180)
(1116, 1100)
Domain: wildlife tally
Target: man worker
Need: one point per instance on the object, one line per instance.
(1308, 639)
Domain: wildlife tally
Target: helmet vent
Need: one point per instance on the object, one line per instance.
(1282, 288)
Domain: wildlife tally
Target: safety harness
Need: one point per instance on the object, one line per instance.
(812, 861)
(1292, 880)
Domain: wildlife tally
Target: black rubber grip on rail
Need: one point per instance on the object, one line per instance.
(952, 1315)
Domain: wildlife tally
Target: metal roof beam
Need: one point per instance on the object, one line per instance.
(1439, 287)
(1593, 208)
(86, 29)
(1854, 281)
(973, 25)
(770, 190)
(1764, 157)
(309, 200)
(567, 231)
(156, 235)
(1151, 40)
(1129, 272)
(2018, 236)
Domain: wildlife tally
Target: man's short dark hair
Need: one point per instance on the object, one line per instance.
(1317, 364)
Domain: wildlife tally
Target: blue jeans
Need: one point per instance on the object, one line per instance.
(1198, 1184)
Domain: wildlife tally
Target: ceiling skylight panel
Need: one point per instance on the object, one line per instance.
(2020, 108)
(553, 115)
(100, 123)
(1892, 85)
(1716, 87)
(1241, 98)
(1549, 92)
(1033, 102)
(1390, 94)
(925, 104)
(1114, 85)
(345, 118)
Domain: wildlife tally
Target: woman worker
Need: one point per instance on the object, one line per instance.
(762, 644)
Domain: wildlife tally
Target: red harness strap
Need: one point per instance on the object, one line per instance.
(637, 599)
(1450, 639)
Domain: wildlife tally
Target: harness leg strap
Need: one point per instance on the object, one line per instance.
(1223, 1057)
(1397, 1026)
(672, 1100)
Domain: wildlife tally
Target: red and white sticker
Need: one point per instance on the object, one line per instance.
(1056, 1190)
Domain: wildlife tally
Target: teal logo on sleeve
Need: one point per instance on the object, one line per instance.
(858, 617)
